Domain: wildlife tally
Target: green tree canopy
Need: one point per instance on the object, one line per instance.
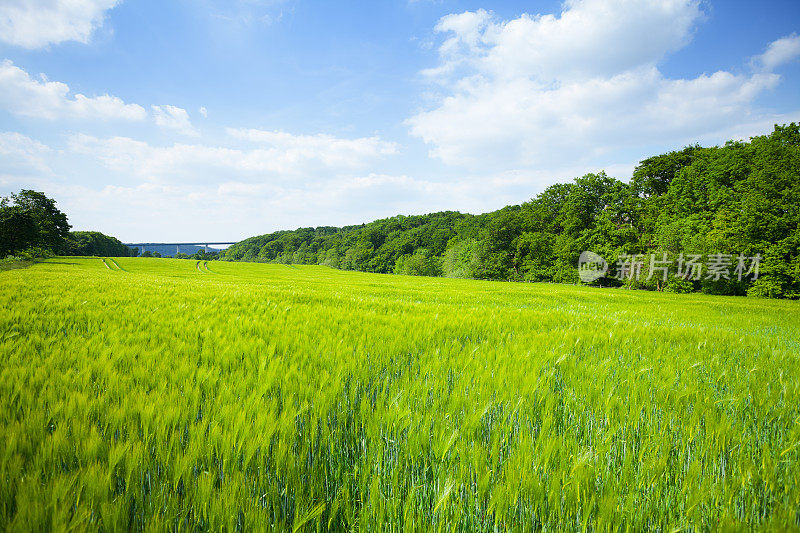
(740, 198)
(29, 219)
(97, 244)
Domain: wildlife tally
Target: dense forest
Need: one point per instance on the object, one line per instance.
(97, 244)
(740, 200)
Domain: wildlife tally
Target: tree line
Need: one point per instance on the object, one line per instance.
(199, 255)
(736, 205)
(32, 226)
(724, 203)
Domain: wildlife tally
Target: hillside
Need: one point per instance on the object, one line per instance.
(739, 200)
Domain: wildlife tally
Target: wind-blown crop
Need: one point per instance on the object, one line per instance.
(164, 394)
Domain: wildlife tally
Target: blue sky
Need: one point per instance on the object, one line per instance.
(217, 120)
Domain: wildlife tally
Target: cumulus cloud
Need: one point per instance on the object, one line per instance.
(589, 38)
(140, 161)
(779, 52)
(174, 118)
(38, 23)
(550, 90)
(22, 95)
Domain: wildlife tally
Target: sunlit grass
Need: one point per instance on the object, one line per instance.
(157, 393)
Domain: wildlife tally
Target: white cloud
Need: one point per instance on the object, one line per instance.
(546, 91)
(589, 38)
(264, 181)
(22, 95)
(174, 118)
(277, 156)
(38, 23)
(327, 149)
(779, 52)
(249, 191)
(178, 186)
(204, 112)
(20, 153)
(140, 161)
(243, 209)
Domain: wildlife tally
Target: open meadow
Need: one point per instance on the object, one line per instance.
(150, 394)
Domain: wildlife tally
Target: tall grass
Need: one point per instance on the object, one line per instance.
(155, 396)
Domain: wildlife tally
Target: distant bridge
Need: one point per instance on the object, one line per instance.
(177, 245)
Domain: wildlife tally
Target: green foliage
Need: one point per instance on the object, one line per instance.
(767, 287)
(462, 259)
(88, 243)
(147, 395)
(654, 175)
(373, 247)
(420, 263)
(24, 259)
(202, 255)
(17, 229)
(29, 219)
(679, 285)
(29, 254)
(32, 225)
(741, 198)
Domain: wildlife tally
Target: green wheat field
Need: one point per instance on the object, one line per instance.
(160, 394)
